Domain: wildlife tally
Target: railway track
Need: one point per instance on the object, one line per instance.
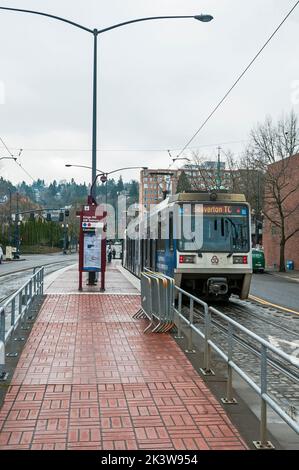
(282, 378)
(246, 311)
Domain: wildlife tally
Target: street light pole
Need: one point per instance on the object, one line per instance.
(94, 112)
(104, 174)
(96, 33)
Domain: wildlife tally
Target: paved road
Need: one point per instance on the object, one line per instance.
(31, 261)
(276, 289)
(11, 280)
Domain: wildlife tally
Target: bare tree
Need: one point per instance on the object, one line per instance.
(206, 178)
(270, 151)
(248, 180)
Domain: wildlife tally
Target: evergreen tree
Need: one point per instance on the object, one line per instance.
(184, 185)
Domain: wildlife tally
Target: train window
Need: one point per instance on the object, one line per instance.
(222, 231)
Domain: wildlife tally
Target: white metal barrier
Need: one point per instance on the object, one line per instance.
(14, 312)
(156, 301)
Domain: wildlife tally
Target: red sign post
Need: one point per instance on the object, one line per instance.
(92, 244)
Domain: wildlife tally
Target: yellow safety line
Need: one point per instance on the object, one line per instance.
(265, 302)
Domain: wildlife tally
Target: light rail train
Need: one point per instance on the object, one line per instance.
(202, 240)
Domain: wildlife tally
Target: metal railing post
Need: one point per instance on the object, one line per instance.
(26, 297)
(42, 281)
(30, 290)
(263, 443)
(207, 348)
(2, 324)
(229, 399)
(190, 349)
(34, 280)
(20, 302)
(38, 282)
(179, 326)
(3, 374)
(12, 323)
(13, 312)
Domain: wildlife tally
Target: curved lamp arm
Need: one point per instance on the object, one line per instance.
(59, 18)
(203, 18)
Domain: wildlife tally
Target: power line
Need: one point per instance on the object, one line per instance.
(25, 171)
(15, 159)
(238, 79)
(132, 149)
(5, 146)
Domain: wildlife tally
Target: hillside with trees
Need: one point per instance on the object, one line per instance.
(37, 231)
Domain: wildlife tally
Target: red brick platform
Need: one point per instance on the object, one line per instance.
(88, 378)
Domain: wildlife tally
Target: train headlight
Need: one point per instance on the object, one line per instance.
(240, 259)
(187, 259)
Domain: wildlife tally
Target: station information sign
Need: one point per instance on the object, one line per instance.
(92, 245)
(92, 252)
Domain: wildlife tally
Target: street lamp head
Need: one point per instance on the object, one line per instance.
(144, 167)
(204, 18)
(68, 165)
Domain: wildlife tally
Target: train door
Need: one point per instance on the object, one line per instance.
(142, 254)
(153, 255)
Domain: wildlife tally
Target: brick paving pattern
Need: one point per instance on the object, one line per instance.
(115, 282)
(88, 378)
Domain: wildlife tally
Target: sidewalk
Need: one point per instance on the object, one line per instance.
(291, 275)
(88, 378)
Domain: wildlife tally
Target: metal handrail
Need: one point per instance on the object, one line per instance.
(265, 361)
(15, 308)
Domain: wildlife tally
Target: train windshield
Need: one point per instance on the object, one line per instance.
(225, 229)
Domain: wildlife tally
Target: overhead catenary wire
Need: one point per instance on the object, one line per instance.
(5, 146)
(237, 81)
(16, 158)
(232, 142)
(25, 171)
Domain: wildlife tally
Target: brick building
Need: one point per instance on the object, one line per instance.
(155, 182)
(152, 184)
(286, 173)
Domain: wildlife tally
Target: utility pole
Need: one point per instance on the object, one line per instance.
(65, 227)
(17, 228)
(9, 222)
(219, 169)
(64, 238)
(257, 214)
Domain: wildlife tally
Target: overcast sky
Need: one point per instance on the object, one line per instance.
(157, 81)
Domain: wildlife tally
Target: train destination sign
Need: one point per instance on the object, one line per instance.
(221, 209)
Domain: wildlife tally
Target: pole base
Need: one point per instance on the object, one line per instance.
(207, 371)
(11, 354)
(91, 279)
(226, 401)
(3, 376)
(266, 446)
